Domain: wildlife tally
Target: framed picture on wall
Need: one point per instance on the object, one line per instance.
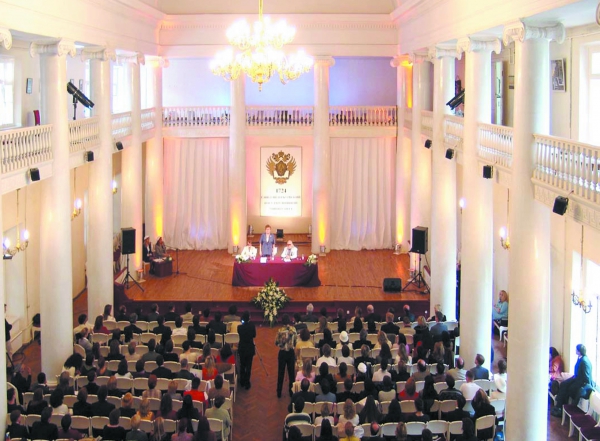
(29, 86)
(558, 75)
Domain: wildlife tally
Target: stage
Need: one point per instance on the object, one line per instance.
(348, 278)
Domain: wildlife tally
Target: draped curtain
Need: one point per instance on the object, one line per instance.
(196, 193)
(362, 193)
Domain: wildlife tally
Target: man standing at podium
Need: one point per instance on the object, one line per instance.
(290, 251)
(267, 241)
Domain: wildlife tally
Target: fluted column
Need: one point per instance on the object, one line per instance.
(56, 270)
(321, 219)
(420, 190)
(238, 207)
(99, 250)
(477, 234)
(131, 165)
(403, 155)
(443, 197)
(154, 159)
(529, 267)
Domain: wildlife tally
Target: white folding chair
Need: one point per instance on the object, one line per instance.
(217, 427)
(438, 427)
(486, 422)
(414, 428)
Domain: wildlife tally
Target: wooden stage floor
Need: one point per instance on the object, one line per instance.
(347, 278)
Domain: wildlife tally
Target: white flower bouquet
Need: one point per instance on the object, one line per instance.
(241, 258)
(311, 260)
(271, 299)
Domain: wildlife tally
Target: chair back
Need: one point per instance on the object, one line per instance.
(440, 387)
(30, 419)
(154, 404)
(70, 400)
(124, 384)
(80, 423)
(56, 419)
(486, 422)
(438, 427)
(170, 426)
(420, 385)
(102, 381)
(484, 384)
(173, 366)
(78, 349)
(455, 428)
(500, 406)
(217, 427)
(125, 423)
(400, 386)
(146, 426)
(98, 422)
(114, 400)
(408, 406)
(178, 339)
(101, 339)
(414, 428)
(113, 365)
(389, 430)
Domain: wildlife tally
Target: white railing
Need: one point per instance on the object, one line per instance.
(84, 134)
(121, 125)
(568, 165)
(148, 116)
(427, 123)
(453, 131)
(496, 144)
(23, 148)
(408, 118)
(299, 116)
(196, 116)
(362, 116)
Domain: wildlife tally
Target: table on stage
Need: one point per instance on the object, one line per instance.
(292, 273)
(163, 268)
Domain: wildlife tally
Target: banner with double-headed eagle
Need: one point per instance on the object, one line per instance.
(281, 181)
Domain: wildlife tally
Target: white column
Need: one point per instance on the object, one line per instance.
(154, 159)
(321, 220)
(100, 249)
(529, 268)
(443, 241)
(238, 215)
(56, 270)
(420, 206)
(477, 234)
(403, 155)
(131, 165)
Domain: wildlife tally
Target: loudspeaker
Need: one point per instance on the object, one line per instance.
(392, 284)
(34, 174)
(128, 240)
(449, 153)
(419, 240)
(119, 145)
(488, 171)
(428, 144)
(560, 205)
(279, 233)
(88, 156)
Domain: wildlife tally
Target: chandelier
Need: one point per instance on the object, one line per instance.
(259, 53)
(9, 251)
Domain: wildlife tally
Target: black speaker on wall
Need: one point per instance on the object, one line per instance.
(560, 205)
(419, 240)
(128, 240)
(392, 284)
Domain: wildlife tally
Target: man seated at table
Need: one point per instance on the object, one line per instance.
(160, 249)
(147, 250)
(249, 251)
(290, 251)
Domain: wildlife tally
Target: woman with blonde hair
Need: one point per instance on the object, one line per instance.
(381, 339)
(401, 433)
(437, 355)
(348, 415)
(500, 311)
(144, 412)
(421, 325)
(158, 430)
(209, 371)
(322, 325)
(306, 371)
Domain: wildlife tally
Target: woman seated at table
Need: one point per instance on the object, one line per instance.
(160, 249)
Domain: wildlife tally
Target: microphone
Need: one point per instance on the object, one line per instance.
(78, 94)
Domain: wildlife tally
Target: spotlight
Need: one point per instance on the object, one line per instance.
(488, 171)
(88, 156)
(428, 144)
(119, 145)
(560, 205)
(457, 100)
(450, 153)
(34, 174)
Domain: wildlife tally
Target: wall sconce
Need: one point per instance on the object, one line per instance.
(397, 249)
(114, 187)
(310, 230)
(504, 240)
(9, 251)
(461, 204)
(322, 250)
(77, 204)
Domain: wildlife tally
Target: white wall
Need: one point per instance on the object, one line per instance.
(189, 82)
(362, 82)
(299, 92)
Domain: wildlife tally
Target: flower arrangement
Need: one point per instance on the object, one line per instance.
(311, 260)
(271, 299)
(241, 258)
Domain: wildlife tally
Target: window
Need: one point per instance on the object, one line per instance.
(147, 86)
(593, 100)
(7, 92)
(120, 89)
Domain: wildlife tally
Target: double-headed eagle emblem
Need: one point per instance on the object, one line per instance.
(281, 166)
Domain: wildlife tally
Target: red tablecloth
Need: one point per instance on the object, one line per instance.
(292, 273)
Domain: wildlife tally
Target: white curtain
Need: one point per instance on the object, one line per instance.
(362, 193)
(196, 193)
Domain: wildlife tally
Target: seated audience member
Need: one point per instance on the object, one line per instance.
(16, 429)
(357, 326)
(458, 372)
(500, 311)
(196, 326)
(326, 357)
(182, 434)
(160, 326)
(123, 370)
(179, 329)
(131, 353)
(469, 388)
(326, 431)
(172, 391)
(81, 323)
(481, 406)
(112, 389)
(325, 414)
(126, 409)
(41, 382)
(298, 415)
(232, 315)
(298, 323)
(385, 353)
(81, 407)
(226, 355)
(394, 414)
(64, 384)
(135, 434)
(422, 371)
(407, 328)
(304, 393)
(132, 328)
(99, 327)
(450, 393)
(342, 373)
(169, 355)
(11, 401)
(205, 353)
(152, 391)
(389, 327)
(22, 379)
(363, 340)
(347, 393)
(326, 394)
(151, 354)
(437, 355)
(440, 326)
(171, 315)
(419, 415)
(166, 408)
(153, 316)
(429, 395)
(44, 429)
(409, 392)
(307, 371)
(188, 411)
(370, 413)
(209, 371)
(437, 308)
(102, 407)
(37, 404)
(365, 356)
(220, 413)
(325, 375)
(327, 340)
(310, 317)
(161, 371)
(303, 342)
(382, 372)
(211, 340)
(185, 370)
(112, 430)
(144, 411)
(56, 402)
(217, 325)
(218, 390)
(468, 430)
(195, 393)
(557, 366)
(65, 431)
(122, 314)
(387, 392)
(401, 372)
(459, 413)
(479, 372)
(440, 376)
(348, 415)
(139, 370)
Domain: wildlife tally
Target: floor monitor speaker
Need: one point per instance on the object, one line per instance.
(392, 284)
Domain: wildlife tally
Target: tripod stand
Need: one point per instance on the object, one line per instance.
(128, 277)
(418, 278)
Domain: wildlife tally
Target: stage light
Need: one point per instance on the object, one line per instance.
(450, 153)
(428, 144)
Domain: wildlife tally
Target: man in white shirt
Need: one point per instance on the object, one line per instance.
(290, 251)
(469, 389)
(382, 372)
(249, 251)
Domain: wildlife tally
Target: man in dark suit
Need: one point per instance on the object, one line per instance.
(43, 429)
(407, 313)
(184, 372)
(217, 325)
(372, 316)
(171, 315)
(101, 407)
(579, 385)
(389, 327)
(309, 397)
(16, 429)
(161, 371)
(310, 317)
(132, 328)
(91, 386)
(341, 397)
(362, 341)
(246, 350)
(147, 250)
(158, 330)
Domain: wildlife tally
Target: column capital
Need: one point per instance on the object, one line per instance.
(470, 44)
(5, 38)
(441, 51)
(399, 60)
(520, 31)
(137, 58)
(158, 61)
(419, 56)
(101, 53)
(60, 47)
(325, 61)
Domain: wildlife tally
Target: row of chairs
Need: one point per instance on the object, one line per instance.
(388, 430)
(232, 338)
(140, 349)
(333, 326)
(584, 417)
(149, 326)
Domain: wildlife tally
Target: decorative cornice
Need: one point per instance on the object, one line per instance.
(138, 58)
(443, 51)
(98, 53)
(419, 56)
(60, 47)
(5, 38)
(470, 44)
(580, 211)
(325, 61)
(399, 60)
(158, 61)
(521, 31)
